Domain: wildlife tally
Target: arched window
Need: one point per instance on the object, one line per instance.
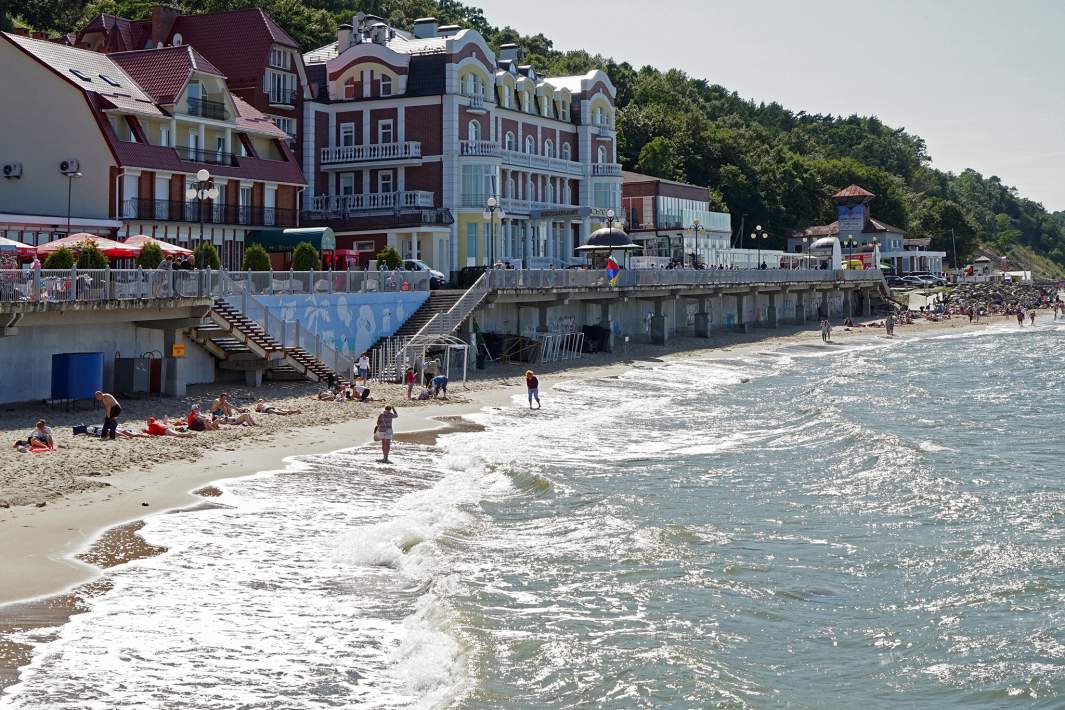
(549, 149)
(474, 131)
(599, 116)
(530, 144)
(601, 156)
(470, 84)
(508, 141)
(567, 152)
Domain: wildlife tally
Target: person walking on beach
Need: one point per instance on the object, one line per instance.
(409, 378)
(363, 372)
(889, 324)
(826, 331)
(111, 411)
(383, 431)
(1031, 315)
(1020, 316)
(533, 385)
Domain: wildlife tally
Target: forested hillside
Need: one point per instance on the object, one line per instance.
(776, 166)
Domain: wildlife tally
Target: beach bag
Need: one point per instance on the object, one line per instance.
(80, 429)
(376, 435)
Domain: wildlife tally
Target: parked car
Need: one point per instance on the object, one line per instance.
(436, 278)
(896, 282)
(939, 280)
(919, 281)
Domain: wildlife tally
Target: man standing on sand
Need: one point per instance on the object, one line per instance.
(111, 411)
(533, 385)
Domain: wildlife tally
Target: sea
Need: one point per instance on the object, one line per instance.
(867, 524)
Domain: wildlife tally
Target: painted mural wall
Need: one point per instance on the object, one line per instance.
(349, 322)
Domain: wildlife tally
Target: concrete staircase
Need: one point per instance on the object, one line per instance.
(239, 343)
(438, 302)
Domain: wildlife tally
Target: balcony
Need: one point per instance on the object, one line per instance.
(604, 129)
(372, 153)
(207, 109)
(210, 157)
(542, 162)
(477, 104)
(481, 149)
(282, 97)
(606, 169)
(371, 201)
(175, 211)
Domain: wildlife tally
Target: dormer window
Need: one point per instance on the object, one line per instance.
(386, 85)
(349, 88)
(178, 39)
(525, 102)
(280, 59)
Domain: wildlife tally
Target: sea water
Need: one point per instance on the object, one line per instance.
(858, 525)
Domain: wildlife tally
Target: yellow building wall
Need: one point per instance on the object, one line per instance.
(464, 219)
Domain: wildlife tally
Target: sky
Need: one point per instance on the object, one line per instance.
(980, 80)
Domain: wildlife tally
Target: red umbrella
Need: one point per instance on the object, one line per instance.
(108, 247)
(140, 240)
(23, 249)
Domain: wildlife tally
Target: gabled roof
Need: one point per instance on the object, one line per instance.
(873, 226)
(853, 191)
(163, 72)
(251, 119)
(121, 33)
(237, 41)
(92, 72)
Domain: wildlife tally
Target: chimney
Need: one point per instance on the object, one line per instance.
(511, 52)
(425, 27)
(163, 19)
(343, 37)
(447, 30)
(22, 32)
(39, 35)
(379, 33)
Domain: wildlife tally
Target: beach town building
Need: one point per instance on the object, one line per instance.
(673, 219)
(862, 236)
(432, 143)
(111, 144)
(261, 62)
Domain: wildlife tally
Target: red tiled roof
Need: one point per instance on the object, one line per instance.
(121, 33)
(873, 226)
(156, 157)
(853, 191)
(163, 72)
(251, 119)
(237, 41)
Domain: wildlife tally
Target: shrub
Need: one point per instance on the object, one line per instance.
(150, 257)
(256, 258)
(61, 258)
(390, 257)
(306, 258)
(210, 256)
(89, 257)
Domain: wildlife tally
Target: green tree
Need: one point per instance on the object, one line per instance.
(946, 224)
(390, 257)
(89, 257)
(150, 257)
(206, 256)
(61, 258)
(306, 258)
(659, 158)
(256, 258)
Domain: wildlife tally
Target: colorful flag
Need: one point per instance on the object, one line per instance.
(612, 271)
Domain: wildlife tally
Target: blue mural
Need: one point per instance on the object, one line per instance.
(349, 322)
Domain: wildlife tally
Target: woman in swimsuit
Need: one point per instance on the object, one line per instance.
(263, 408)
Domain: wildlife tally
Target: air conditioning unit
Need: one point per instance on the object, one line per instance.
(13, 171)
(68, 166)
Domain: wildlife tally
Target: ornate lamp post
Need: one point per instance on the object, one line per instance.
(203, 189)
(695, 228)
(757, 234)
(850, 243)
(70, 188)
(491, 207)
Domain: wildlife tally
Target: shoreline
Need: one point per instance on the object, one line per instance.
(42, 546)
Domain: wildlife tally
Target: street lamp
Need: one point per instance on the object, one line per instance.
(850, 243)
(757, 234)
(876, 255)
(70, 184)
(203, 189)
(695, 228)
(491, 207)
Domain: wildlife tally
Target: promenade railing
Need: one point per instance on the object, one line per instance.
(643, 278)
(67, 285)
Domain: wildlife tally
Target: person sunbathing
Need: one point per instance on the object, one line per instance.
(197, 422)
(42, 436)
(225, 412)
(263, 408)
(163, 428)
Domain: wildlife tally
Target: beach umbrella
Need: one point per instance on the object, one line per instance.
(140, 240)
(22, 249)
(108, 247)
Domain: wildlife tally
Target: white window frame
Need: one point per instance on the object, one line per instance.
(530, 144)
(347, 129)
(383, 177)
(386, 81)
(346, 182)
(164, 136)
(525, 102)
(549, 148)
(509, 141)
(391, 126)
(567, 151)
(473, 131)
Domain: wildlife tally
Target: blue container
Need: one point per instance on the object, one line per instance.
(77, 375)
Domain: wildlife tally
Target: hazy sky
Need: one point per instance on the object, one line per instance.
(982, 81)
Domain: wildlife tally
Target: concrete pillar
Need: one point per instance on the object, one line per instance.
(741, 322)
(867, 302)
(174, 379)
(824, 311)
(542, 324)
(658, 324)
(703, 319)
(253, 378)
(605, 322)
(773, 321)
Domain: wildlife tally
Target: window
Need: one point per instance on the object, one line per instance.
(473, 131)
(109, 80)
(194, 144)
(599, 116)
(508, 141)
(347, 183)
(280, 58)
(386, 132)
(604, 196)
(525, 102)
(280, 87)
(601, 154)
(471, 84)
(530, 144)
(549, 149)
(564, 113)
(220, 148)
(478, 184)
(245, 205)
(288, 125)
(178, 39)
(349, 88)
(385, 181)
(567, 152)
(506, 97)
(471, 244)
(547, 106)
(80, 74)
(347, 135)
(164, 136)
(386, 85)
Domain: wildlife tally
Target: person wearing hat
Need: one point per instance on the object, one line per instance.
(534, 388)
(198, 422)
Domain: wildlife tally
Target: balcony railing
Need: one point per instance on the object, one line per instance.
(211, 157)
(477, 103)
(207, 109)
(345, 204)
(606, 169)
(408, 150)
(282, 97)
(176, 211)
(486, 149)
(542, 162)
